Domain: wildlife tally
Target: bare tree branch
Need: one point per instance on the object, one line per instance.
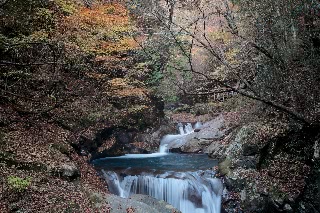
(254, 95)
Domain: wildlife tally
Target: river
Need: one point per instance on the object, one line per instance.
(186, 181)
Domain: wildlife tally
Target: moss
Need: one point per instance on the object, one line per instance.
(224, 167)
(8, 159)
(18, 184)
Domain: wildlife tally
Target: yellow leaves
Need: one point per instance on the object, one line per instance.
(221, 36)
(131, 92)
(137, 108)
(101, 15)
(231, 55)
(103, 29)
(39, 35)
(123, 45)
(118, 83)
(67, 6)
(120, 87)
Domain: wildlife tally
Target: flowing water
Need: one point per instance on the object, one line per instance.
(182, 180)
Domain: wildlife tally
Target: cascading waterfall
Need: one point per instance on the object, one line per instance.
(191, 192)
(185, 188)
(188, 128)
(177, 139)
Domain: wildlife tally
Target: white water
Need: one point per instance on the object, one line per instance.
(176, 139)
(190, 192)
(198, 125)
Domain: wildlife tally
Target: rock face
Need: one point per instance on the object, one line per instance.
(216, 150)
(267, 168)
(199, 140)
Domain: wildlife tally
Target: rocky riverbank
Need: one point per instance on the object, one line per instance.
(266, 165)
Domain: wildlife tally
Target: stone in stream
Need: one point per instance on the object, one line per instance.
(198, 139)
(139, 204)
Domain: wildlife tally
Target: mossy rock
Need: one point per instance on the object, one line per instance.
(224, 167)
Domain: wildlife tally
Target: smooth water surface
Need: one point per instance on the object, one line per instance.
(157, 162)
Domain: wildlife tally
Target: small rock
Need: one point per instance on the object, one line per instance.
(243, 195)
(287, 208)
(70, 171)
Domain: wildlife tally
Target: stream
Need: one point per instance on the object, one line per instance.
(183, 180)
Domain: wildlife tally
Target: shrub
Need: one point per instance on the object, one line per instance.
(19, 184)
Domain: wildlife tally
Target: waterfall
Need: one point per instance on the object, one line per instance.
(181, 130)
(198, 125)
(167, 176)
(163, 148)
(188, 128)
(190, 192)
(169, 141)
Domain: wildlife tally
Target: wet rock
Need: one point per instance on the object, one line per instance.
(258, 204)
(193, 146)
(205, 142)
(152, 137)
(125, 136)
(197, 141)
(160, 205)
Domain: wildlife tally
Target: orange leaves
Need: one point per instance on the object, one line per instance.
(131, 92)
(120, 87)
(102, 30)
(123, 45)
(118, 83)
(105, 15)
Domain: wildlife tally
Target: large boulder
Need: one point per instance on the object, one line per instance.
(199, 140)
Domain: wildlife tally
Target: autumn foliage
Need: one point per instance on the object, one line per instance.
(102, 29)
